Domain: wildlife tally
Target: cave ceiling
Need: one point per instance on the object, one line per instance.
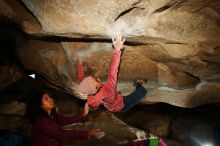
(174, 45)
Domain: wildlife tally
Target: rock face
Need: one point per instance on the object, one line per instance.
(174, 44)
(173, 20)
(10, 74)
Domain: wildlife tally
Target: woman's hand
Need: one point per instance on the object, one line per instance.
(96, 133)
(79, 60)
(86, 110)
(118, 42)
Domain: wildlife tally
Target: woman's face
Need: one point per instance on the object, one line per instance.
(98, 82)
(47, 103)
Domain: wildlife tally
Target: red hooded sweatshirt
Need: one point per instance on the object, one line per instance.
(107, 95)
(47, 130)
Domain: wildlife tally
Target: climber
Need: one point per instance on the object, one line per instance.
(47, 124)
(106, 94)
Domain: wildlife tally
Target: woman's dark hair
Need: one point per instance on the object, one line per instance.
(34, 103)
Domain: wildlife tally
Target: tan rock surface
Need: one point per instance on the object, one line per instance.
(170, 78)
(174, 44)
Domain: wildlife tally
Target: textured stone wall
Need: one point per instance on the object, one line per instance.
(174, 44)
